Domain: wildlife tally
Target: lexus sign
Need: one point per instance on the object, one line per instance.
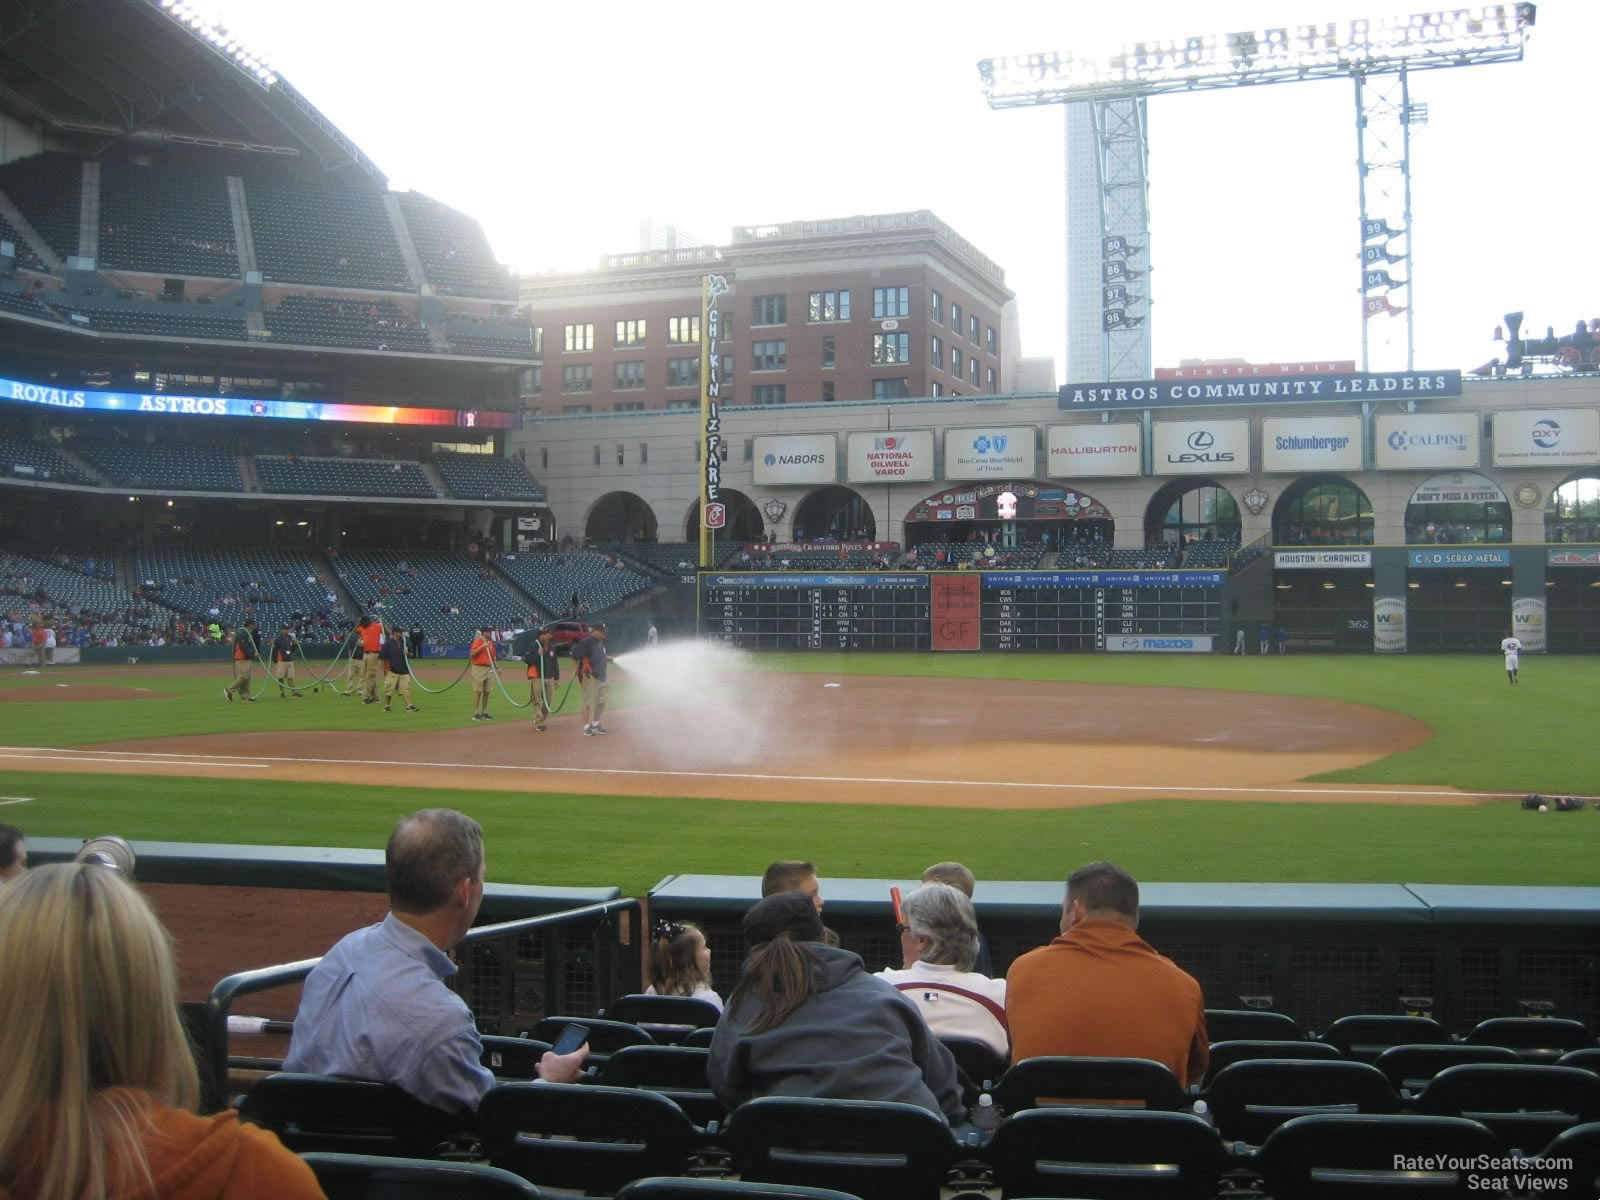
(1202, 448)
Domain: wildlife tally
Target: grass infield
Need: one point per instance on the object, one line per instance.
(1488, 737)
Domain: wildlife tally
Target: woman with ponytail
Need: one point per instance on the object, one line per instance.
(680, 963)
(805, 1019)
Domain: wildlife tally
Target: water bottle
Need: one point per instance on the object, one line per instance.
(985, 1115)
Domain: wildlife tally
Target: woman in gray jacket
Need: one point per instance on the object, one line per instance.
(807, 1020)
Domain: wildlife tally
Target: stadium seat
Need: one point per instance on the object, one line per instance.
(977, 1061)
(701, 1037)
(1036, 1082)
(1535, 1039)
(1250, 1099)
(722, 1189)
(455, 254)
(370, 1177)
(1408, 1068)
(1348, 1156)
(512, 1058)
(1111, 1153)
(874, 1150)
(1525, 1105)
(552, 578)
(487, 477)
(1225, 1054)
(1239, 1024)
(354, 1116)
(166, 220)
(605, 1036)
(323, 233)
(1364, 1037)
(591, 1138)
(644, 1010)
(48, 189)
(1588, 1059)
(676, 1072)
(1580, 1146)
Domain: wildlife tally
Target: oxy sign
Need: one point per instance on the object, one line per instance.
(1547, 437)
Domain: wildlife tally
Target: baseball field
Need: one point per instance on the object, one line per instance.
(1354, 769)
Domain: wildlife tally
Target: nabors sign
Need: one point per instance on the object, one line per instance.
(796, 458)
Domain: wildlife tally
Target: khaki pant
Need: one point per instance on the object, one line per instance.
(594, 699)
(241, 677)
(283, 672)
(482, 681)
(396, 683)
(368, 680)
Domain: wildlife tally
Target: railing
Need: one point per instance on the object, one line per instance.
(511, 974)
(1247, 554)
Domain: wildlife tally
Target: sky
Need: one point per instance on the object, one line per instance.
(560, 127)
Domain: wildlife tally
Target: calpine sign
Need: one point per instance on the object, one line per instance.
(1177, 393)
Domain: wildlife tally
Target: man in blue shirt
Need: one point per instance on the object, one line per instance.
(589, 656)
(376, 1006)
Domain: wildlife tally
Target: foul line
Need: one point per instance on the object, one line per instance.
(259, 761)
(16, 799)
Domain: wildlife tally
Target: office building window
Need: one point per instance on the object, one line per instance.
(577, 379)
(597, 456)
(578, 338)
(644, 452)
(827, 392)
(828, 306)
(827, 350)
(972, 369)
(626, 376)
(989, 379)
(769, 356)
(727, 371)
(972, 330)
(891, 389)
(769, 393)
(538, 339)
(621, 457)
(938, 388)
(683, 372)
(768, 310)
(683, 404)
(890, 348)
(630, 333)
(628, 406)
(544, 457)
(891, 302)
(937, 307)
(532, 380)
(577, 408)
(955, 319)
(749, 449)
(990, 340)
(955, 362)
(938, 352)
(683, 331)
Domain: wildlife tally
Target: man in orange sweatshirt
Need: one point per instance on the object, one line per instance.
(370, 633)
(1099, 990)
(481, 657)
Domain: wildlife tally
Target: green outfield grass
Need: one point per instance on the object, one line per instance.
(1487, 736)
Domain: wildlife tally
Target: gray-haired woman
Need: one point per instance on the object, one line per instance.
(938, 942)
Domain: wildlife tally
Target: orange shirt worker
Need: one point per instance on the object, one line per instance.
(370, 634)
(481, 659)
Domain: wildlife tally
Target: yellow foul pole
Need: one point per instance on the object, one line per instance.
(713, 514)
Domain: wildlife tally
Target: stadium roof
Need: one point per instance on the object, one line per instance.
(151, 72)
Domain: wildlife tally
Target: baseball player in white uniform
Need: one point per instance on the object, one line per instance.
(1511, 647)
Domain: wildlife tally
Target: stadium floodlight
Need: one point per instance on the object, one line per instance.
(1446, 38)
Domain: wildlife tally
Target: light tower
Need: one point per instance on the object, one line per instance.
(1107, 124)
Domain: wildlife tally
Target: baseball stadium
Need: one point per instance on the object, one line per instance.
(314, 515)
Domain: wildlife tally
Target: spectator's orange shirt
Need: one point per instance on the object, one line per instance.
(39, 636)
(371, 637)
(482, 651)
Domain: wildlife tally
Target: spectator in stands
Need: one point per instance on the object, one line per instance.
(938, 944)
(13, 853)
(807, 1020)
(792, 876)
(98, 1099)
(376, 1006)
(1100, 990)
(680, 962)
(963, 880)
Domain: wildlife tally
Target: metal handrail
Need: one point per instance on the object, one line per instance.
(243, 983)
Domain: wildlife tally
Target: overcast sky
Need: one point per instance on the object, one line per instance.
(561, 126)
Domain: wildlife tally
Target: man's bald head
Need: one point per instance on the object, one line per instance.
(429, 854)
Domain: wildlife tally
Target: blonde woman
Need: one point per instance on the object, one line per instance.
(98, 1096)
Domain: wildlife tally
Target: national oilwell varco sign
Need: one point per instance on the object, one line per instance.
(1172, 393)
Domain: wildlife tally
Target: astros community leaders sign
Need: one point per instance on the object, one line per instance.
(1170, 393)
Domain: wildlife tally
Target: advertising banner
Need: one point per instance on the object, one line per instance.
(1201, 447)
(1389, 625)
(1177, 393)
(24, 656)
(905, 456)
(956, 611)
(989, 450)
(1461, 556)
(1091, 451)
(1311, 444)
(1187, 644)
(1413, 441)
(1527, 623)
(1285, 560)
(1575, 558)
(1096, 579)
(1458, 487)
(1557, 437)
(796, 458)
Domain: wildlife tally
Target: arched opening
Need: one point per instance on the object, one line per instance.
(1322, 510)
(1458, 508)
(620, 517)
(1013, 523)
(1573, 511)
(744, 519)
(834, 513)
(1192, 512)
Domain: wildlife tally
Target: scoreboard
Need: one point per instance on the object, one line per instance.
(791, 610)
(1017, 610)
(1081, 610)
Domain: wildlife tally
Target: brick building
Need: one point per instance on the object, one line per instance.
(860, 308)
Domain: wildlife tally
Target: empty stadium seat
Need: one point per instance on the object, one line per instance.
(370, 1177)
(268, 581)
(512, 1058)
(487, 477)
(26, 304)
(1588, 1059)
(1111, 1153)
(645, 1009)
(455, 254)
(976, 1060)
(24, 458)
(1365, 1036)
(1408, 1068)
(170, 465)
(1535, 1039)
(353, 1116)
(364, 324)
(1250, 1099)
(1579, 1146)
(166, 220)
(1526, 1106)
(432, 582)
(552, 578)
(324, 233)
(877, 1151)
(604, 1036)
(483, 344)
(343, 477)
(676, 1072)
(26, 257)
(118, 610)
(1040, 1081)
(1347, 1156)
(679, 1188)
(48, 190)
(1225, 1054)
(1235, 1024)
(167, 321)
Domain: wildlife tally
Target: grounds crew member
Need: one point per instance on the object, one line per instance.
(399, 677)
(544, 670)
(369, 636)
(284, 647)
(246, 652)
(589, 656)
(481, 659)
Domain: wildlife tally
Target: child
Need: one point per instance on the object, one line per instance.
(680, 963)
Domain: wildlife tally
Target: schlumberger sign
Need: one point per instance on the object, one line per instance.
(1174, 393)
